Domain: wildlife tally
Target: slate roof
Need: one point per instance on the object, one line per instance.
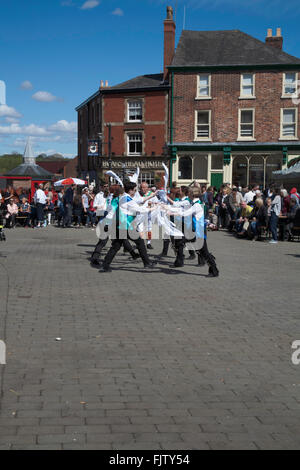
(226, 48)
(32, 170)
(142, 81)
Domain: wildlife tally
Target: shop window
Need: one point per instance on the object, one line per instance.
(273, 163)
(217, 162)
(240, 171)
(185, 168)
(200, 167)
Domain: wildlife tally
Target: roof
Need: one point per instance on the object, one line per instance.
(32, 170)
(227, 48)
(55, 166)
(142, 81)
(149, 81)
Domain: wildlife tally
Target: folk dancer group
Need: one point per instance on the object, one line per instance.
(127, 215)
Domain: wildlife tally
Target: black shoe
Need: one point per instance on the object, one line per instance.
(95, 262)
(135, 255)
(192, 256)
(149, 247)
(149, 265)
(177, 265)
(162, 255)
(106, 269)
(213, 271)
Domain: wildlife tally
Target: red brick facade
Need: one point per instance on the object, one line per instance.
(153, 125)
(225, 103)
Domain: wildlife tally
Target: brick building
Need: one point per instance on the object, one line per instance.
(232, 115)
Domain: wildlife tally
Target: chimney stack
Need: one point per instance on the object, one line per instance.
(274, 41)
(169, 40)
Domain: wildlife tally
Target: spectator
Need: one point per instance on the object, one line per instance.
(249, 196)
(40, 201)
(275, 212)
(25, 211)
(234, 203)
(68, 205)
(258, 218)
(77, 210)
(12, 212)
(294, 195)
(85, 204)
(285, 201)
(242, 223)
(91, 210)
(60, 206)
(291, 216)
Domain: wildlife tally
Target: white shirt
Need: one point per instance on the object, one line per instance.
(249, 196)
(99, 203)
(40, 196)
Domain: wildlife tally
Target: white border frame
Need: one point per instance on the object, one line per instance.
(247, 97)
(290, 96)
(201, 97)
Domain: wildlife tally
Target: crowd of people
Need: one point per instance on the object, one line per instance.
(63, 207)
(246, 212)
(249, 211)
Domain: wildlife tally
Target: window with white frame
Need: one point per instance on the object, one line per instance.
(247, 85)
(246, 123)
(203, 125)
(203, 86)
(289, 84)
(134, 144)
(289, 123)
(135, 110)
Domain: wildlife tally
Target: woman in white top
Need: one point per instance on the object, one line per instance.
(275, 212)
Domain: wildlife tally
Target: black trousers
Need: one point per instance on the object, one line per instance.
(118, 243)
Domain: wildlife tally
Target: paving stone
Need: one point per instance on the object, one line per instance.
(161, 362)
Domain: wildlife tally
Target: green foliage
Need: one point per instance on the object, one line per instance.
(8, 162)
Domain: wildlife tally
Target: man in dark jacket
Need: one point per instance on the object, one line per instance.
(68, 205)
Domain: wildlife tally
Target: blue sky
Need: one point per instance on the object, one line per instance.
(53, 54)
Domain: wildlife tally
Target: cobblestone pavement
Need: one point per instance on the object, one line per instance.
(163, 359)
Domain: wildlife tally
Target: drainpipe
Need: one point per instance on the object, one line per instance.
(172, 159)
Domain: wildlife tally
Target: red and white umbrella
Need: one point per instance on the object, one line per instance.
(69, 181)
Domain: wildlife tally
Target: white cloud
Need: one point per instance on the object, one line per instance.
(45, 97)
(27, 85)
(89, 4)
(118, 12)
(11, 120)
(7, 111)
(31, 129)
(64, 126)
(65, 130)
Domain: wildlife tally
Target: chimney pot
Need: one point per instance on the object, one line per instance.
(101, 84)
(169, 13)
(169, 40)
(270, 33)
(106, 83)
(278, 32)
